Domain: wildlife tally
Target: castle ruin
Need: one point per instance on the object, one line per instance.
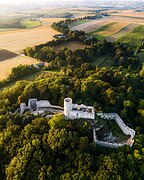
(74, 111)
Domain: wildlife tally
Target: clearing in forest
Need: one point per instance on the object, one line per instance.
(74, 45)
(103, 61)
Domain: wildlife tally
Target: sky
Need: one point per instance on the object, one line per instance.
(17, 2)
(51, 1)
(36, 1)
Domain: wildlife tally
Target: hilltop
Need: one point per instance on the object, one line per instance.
(105, 76)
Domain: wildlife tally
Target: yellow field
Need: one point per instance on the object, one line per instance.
(49, 21)
(113, 29)
(7, 65)
(74, 45)
(17, 40)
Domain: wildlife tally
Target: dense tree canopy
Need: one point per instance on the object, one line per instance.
(34, 147)
(38, 148)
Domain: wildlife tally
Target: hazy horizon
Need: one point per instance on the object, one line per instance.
(53, 1)
(7, 6)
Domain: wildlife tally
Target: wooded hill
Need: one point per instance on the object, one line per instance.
(34, 147)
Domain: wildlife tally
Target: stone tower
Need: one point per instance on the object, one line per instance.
(67, 106)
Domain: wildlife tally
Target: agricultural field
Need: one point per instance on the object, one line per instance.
(18, 40)
(121, 33)
(122, 27)
(50, 21)
(7, 29)
(28, 24)
(74, 45)
(7, 65)
(91, 25)
(95, 24)
(14, 41)
(18, 23)
(105, 27)
(128, 13)
(49, 13)
(109, 29)
(76, 23)
(4, 55)
(133, 38)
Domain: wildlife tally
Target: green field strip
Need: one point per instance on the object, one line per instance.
(99, 36)
(103, 28)
(122, 32)
(133, 38)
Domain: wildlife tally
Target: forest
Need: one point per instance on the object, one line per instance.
(35, 147)
(39, 148)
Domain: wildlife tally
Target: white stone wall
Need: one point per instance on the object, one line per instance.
(126, 130)
(106, 144)
(109, 116)
(114, 116)
(111, 145)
